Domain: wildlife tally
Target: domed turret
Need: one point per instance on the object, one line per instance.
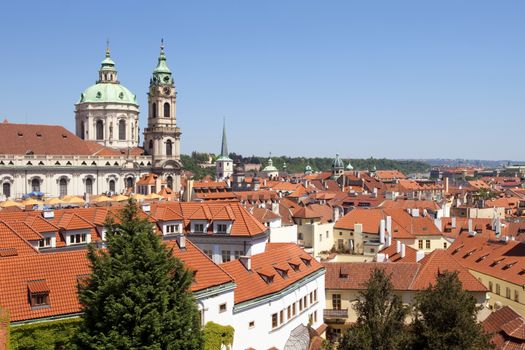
(107, 112)
(337, 166)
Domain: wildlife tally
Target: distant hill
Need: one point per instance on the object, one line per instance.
(297, 164)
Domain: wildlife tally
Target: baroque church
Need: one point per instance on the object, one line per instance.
(104, 155)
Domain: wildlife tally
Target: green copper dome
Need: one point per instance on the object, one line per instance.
(162, 74)
(108, 88)
(107, 92)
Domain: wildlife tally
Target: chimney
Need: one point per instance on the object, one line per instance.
(498, 227)
(382, 231)
(181, 240)
(453, 222)
(415, 212)
(469, 225)
(388, 241)
(419, 255)
(146, 208)
(389, 225)
(398, 247)
(188, 193)
(380, 257)
(403, 250)
(246, 261)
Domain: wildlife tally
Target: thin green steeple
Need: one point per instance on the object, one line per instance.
(162, 74)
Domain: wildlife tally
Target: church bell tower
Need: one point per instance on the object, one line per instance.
(162, 136)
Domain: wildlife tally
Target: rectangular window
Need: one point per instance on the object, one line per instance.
(315, 294)
(490, 286)
(336, 301)
(274, 321)
(326, 234)
(516, 296)
(72, 239)
(305, 302)
(281, 317)
(507, 292)
(237, 254)
(289, 312)
(420, 243)
(320, 237)
(226, 256)
(222, 228)
(293, 309)
(198, 228)
(315, 316)
(428, 243)
(208, 253)
(300, 304)
(222, 307)
(83, 238)
(444, 245)
(497, 289)
(251, 324)
(311, 298)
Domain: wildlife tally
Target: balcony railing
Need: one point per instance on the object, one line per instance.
(332, 313)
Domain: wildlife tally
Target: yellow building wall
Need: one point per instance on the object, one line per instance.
(518, 306)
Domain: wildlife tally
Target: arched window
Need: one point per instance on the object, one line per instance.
(169, 181)
(129, 182)
(150, 145)
(166, 110)
(100, 130)
(111, 185)
(6, 189)
(122, 129)
(89, 186)
(35, 185)
(82, 130)
(154, 110)
(169, 148)
(62, 184)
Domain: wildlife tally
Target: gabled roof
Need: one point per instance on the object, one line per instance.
(507, 327)
(250, 285)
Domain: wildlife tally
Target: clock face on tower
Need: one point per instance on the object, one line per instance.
(167, 90)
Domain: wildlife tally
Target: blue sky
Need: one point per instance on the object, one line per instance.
(395, 79)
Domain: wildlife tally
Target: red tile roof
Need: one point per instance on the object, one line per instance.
(507, 327)
(251, 285)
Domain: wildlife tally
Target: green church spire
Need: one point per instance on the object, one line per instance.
(162, 74)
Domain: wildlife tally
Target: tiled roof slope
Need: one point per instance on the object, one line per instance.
(58, 270)
(244, 224)
(507, 327)
(404, 275)
(207, 273)
(251, 285)
(59, 273)
(500, 259)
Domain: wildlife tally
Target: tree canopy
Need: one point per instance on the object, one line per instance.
(445, 317)
(138, 295)
(380, 317)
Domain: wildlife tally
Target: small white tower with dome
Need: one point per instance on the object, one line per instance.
(223, 164)
(107, 112)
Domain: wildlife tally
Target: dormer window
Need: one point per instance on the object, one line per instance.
(294, 266)
(173, 228)
(222, 228)
(306, 261)
(198, 227)
(38, 293)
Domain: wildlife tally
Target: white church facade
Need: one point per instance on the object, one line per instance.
(104, 156)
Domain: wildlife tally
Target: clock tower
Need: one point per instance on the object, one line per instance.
(162, 136)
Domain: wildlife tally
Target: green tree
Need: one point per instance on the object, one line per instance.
(445, 317)
(138, 295)
(381, 316)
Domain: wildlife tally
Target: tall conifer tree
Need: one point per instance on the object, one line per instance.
(138, 296)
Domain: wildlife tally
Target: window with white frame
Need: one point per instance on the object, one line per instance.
(221, 228)
(44, 243)
(173, 228)
(274, 321)
(226, 255)
(198, 227)
(222, 308)
(77, 238)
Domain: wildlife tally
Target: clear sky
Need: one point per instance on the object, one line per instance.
(395, 79)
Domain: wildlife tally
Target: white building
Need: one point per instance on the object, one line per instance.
(104, 155)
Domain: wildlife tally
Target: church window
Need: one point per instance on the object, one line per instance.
(166, 110)
(100, 130)
(6, 189)
(89, 186)
(62, 184)
(169, 148)
(82, 131)
(111, 185)
(122, 129)
(154, 110)
(169, 181)
(35, 185)
(129, 182)
(150, 146)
